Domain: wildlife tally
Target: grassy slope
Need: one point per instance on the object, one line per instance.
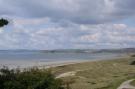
(105, 74)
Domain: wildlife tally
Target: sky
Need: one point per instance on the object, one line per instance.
(67, 24)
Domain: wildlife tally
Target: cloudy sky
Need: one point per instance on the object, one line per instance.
(67, 24)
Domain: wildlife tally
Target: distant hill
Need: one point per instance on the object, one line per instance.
(123, 50)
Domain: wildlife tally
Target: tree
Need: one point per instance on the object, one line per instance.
(3, 22)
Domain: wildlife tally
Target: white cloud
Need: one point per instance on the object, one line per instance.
(54, 24)
(50, 35)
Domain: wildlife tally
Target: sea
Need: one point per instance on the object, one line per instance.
(25, 58)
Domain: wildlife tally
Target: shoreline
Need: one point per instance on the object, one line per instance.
(43, 64)
(40, 65)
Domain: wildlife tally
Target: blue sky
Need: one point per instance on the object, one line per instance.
(67, 24)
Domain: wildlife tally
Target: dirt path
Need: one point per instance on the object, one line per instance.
(126, 85)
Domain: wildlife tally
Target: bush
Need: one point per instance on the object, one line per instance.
(3, 22)
(28, 79)
(132, 63)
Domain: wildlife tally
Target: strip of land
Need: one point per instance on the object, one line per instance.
(102, 74)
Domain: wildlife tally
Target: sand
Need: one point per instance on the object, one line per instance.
(40, 64)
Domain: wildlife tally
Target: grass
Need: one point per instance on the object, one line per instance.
(105, 74)
(133, 83)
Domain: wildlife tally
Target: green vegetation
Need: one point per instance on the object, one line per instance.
(3, 22)
(105, 74)
(133, 83)
(132, 63)
(28, 79)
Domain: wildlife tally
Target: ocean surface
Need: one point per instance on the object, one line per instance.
(25, 58)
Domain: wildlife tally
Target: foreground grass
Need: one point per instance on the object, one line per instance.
(105, 74)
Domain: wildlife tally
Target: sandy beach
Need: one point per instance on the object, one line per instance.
(29, 64)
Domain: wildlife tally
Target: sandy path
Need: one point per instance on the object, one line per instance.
(126, 85)
(67, 74)
(71, 73)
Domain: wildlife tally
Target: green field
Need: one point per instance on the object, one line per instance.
(105, 74)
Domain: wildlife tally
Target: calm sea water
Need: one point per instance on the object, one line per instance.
(49, 56)
(25, 59)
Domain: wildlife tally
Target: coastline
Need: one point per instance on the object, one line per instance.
(48, 64)
(40, 65)
(111, 72)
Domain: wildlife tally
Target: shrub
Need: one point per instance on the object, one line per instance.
(132, 63)
(28, 79)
